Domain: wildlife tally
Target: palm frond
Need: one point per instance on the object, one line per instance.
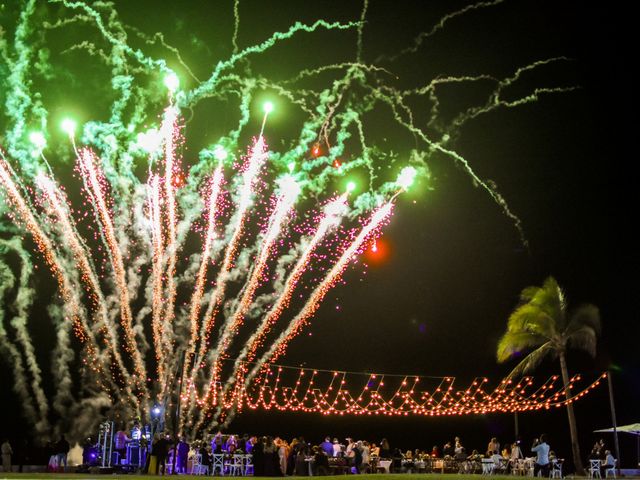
(584, 338)
(528, 293)
(530, 318)
(585, 315)
(542, 321)
(514, 343)
(531, 361)
(551, 300)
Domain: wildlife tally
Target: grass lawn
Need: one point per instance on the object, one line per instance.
(376, 476)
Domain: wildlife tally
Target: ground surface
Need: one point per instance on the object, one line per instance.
(400, 476)
(404, 476)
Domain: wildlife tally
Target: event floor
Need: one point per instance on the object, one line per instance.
(400, 476)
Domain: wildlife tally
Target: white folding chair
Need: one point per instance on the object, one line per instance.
(488, 466)
(611, 470)
(248, 465)
(519, 467)
(236, 464)
(556, 469)
(594, 469)
(198, 468)
(218, 464)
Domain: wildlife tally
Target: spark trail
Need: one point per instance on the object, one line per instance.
(182, 244)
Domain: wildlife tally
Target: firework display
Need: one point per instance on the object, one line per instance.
(219, 257)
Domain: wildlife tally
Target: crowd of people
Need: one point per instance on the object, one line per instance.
(278, 457)
(274, 456)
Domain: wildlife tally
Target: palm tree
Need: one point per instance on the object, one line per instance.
(542, 322)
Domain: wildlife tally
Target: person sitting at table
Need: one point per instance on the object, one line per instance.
(506, 452)
(497, 460)
(408, 462)
(608, 462)
(475, 455)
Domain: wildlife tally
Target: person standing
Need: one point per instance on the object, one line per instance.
(258, 457)
(385, 449)
(327, 446)
(541, 449)
(62, 450)
(493, 447)
(283, 452)
(120, 440)
(182, 455)
(357, 456)
(161, 451)
(7, 451)
(366, 457)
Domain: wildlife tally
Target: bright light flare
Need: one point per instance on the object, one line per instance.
(38, 140)
(351, 186)
(406, 177)
(288, 186)
(149, 141)
(220, 153)
(69, 126)
(171, 81)
(267, 107)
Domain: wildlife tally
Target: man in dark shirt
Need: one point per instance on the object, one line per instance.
(161, 450)
(320, 462)
(62, 449)
(448, 450)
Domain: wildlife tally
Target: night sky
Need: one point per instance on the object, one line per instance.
(436, 300)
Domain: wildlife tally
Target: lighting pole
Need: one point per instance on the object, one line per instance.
(613, 420)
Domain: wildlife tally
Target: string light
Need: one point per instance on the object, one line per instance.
(330, 392)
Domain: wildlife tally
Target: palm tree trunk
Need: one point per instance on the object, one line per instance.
(573, 429)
